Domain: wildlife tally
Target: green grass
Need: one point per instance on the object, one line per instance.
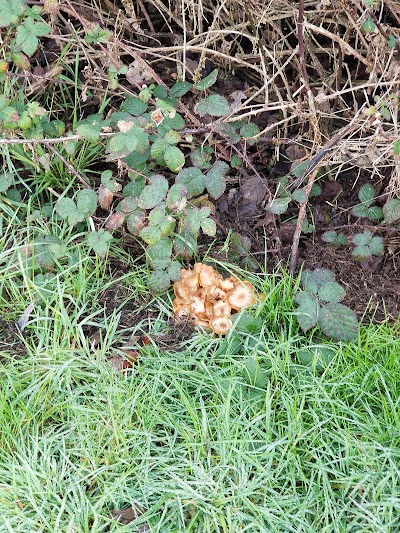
(193, 436)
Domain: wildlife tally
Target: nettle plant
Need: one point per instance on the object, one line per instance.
(166, 204)
(367, 209)
(23, 26)
(319, 305)
(367, 246)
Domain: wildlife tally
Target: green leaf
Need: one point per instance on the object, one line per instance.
(137, 161)
(376, 246)
(215, 179)
(172, 137)
(308, 310)
(278, 206)
(160, 92)
(391, 211)
(313, 280)
(150, 234)
(160, 251)
(176, 122)
(362, 239)
(391, 42)
(339, 322)
(209, 227)
(208, 81)
(299, 196)
(366, 194)
(176, 197)
(137, 140)
(28, 33)
(6, 181)
(174, 270)
(135, 222)
(154, 193)
(334, 239)
(167, 226)
(369, 26)
(174, 158)
(248, 131)
(193, 179)
(134, 106)
(159, 281)
(157, 150)
(331, 292)
(361, 252)
(375, 213)
(97, 35)
(249, 324)
(360, 211)
(99, 242)
(90, 132)
(86, 201)
(109, 182)
(201, 157)
(254, 374)
(185, 244)
(64, 206)
(11, 10)
(228, 130)
(180, 88)
(317, 356)
(214, 105)
(157, 215)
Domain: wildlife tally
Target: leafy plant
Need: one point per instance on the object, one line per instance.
(366, 209)
(319, 305)
(366, 245)
(334, 239)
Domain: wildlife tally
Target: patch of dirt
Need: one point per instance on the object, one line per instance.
(10, 340)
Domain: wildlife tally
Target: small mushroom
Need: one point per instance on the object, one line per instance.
(218, 308)
(208, 276)
(221, 324)
(242, 295)
(227, 284)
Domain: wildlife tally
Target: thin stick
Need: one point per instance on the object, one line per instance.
(69, 166)
(302, 215)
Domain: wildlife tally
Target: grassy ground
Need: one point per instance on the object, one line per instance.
(207, 437)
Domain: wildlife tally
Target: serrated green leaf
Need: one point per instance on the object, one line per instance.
(160, 92)
(90, 132)
(109, 182)
(369, 26)
(299, 196)
(174, 270)
(11, 10)
(366, 194)
(160, 251)
(254, 374)
(339, 322)
(154, 193)
(201, 157)
(278, 206)
(135, 222)
(137, 140)
(172, 137)
(360, 211)
(157, 150)
(99, 242)
(176, 197)
(331, 292)
(157, 215)
(167, 226)
(134, 106)
(228, 130)
(193, 179)
(180, 88)
(174, 158)
(159, 281)
(375, 213)
(391, 42)
(64, 207)
(208, 227)
(185, 244)
(28, 33)
(208, 81)
(248, 131)
(150, 234)
(214, 105)
(376, 246)
(176, 122)
(391, 211)
(362, 239)
(86, 201)
(215, 179)
(313, 280)
(308, 310)
(361, 252)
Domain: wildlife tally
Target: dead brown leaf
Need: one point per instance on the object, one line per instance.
(254, 189)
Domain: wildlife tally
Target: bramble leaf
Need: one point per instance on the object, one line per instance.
(174, 158)
(99, 242)
(366, 194)
(180, 88)
(376, 246)
(214, 105)
(331, 292)
(193, 179)
(134, 106)
(208, 81)
(391, 211)
(86, 201)
(308, 310)
(153, 193)
(11, 10)
(215, 179)
(339, 322)
(150, 234)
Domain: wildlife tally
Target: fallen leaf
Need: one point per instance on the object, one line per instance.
(254, 189)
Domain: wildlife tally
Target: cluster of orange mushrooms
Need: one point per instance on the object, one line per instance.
(208, 299)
